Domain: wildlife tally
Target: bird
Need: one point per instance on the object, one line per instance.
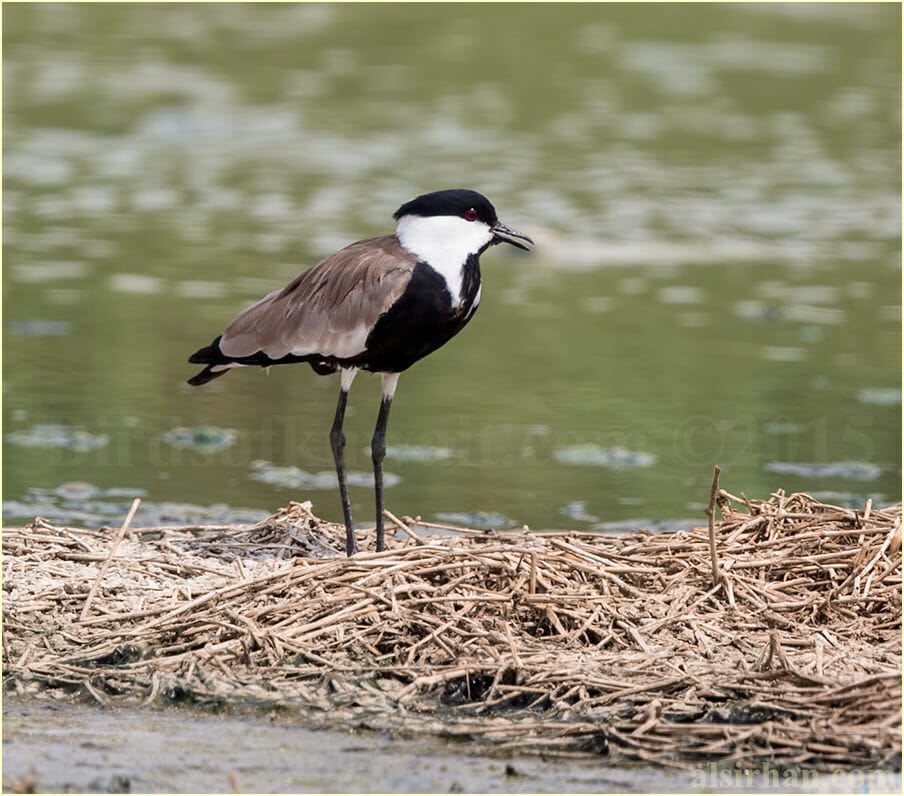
(378, 305)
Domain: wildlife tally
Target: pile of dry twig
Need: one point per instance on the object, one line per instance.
(558, 642)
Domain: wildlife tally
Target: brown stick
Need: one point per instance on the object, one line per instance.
(710, 513)
(103, 567)
(399, 524)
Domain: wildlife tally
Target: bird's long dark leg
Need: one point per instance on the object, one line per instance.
(337, 443)
(378, 450)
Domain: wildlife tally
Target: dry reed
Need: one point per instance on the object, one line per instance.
(558, 642)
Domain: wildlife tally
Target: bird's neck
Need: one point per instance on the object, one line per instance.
(469, 296)
(463, 283)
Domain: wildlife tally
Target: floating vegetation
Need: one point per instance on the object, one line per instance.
(752, 310)
(52, 272)
(418, 453)
(207, 439)
(171, 513)
(476, 519)
(595, 455)
(83, 503)
(848, 500)
(136, 283)
(880, 396)
(38, 327)
(81, 490)
(52, 435)
(577, 511)
(74, 501)
(806, 313)
(855, 471)
(681, 294)
(645, 524)
(782, 353)
(292, 477)
(806, 294)
(618, 647)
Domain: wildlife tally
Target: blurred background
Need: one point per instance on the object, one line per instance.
(715, 192)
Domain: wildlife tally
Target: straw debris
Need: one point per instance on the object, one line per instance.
(557, 642)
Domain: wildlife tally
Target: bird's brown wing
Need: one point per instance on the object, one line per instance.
(329, 309)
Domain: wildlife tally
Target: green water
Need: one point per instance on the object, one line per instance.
(714, 190)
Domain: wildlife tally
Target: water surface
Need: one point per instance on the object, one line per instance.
(714, 191)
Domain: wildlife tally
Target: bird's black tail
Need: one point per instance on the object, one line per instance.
(206, 375)
(212, 357)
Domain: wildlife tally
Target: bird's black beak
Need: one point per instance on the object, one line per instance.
(504, 234)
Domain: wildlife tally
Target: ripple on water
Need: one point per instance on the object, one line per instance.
(207, 439)
(854, 471)
(52, 435)
(597, 456)
(292, 477)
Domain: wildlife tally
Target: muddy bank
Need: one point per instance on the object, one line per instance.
(61, 747)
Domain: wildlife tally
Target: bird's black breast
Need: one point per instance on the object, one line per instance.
(422, 319)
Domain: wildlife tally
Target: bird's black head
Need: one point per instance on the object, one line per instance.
(470, 205)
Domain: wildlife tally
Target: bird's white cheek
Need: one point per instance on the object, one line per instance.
(444, 243)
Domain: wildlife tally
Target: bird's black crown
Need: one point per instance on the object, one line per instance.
(451, 202)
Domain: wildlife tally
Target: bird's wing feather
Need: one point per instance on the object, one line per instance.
(329, 309)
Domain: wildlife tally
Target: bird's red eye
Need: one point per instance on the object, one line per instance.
(470, 214)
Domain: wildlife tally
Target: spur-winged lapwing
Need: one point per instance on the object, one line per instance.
(379, 305)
